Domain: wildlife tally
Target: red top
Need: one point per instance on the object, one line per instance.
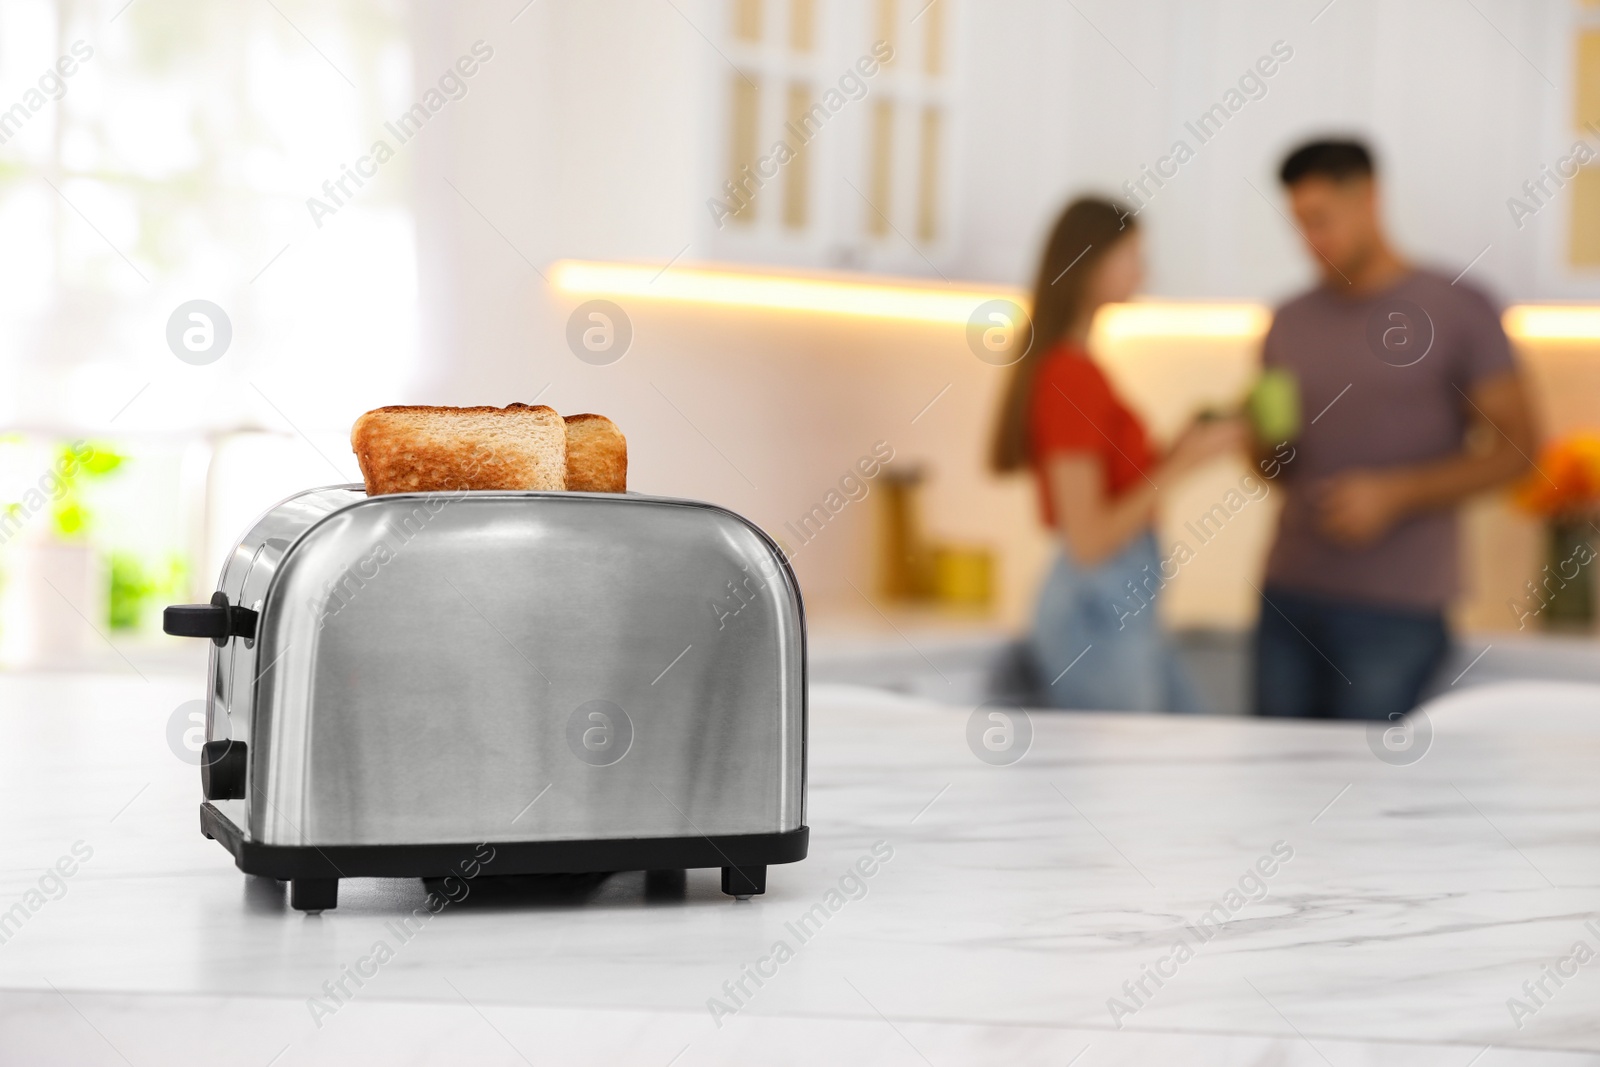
(1073, 409)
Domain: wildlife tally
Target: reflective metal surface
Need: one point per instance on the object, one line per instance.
(512, 666)
(245, 577)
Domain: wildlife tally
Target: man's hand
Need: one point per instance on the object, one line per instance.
(1358, 507)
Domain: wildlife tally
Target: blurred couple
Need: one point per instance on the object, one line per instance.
(1412, 403)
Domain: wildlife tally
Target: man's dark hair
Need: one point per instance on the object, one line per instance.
(1336, 160)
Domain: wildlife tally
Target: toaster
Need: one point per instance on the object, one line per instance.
(582, 682)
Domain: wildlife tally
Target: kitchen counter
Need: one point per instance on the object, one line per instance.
(1305, 901)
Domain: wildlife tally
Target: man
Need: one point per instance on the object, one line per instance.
(1411, 402)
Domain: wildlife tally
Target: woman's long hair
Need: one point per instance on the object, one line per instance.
(1085, 232)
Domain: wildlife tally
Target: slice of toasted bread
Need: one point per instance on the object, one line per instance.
(407, 449)
(597, 455)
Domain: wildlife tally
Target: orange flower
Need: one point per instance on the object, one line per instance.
(1567, 478)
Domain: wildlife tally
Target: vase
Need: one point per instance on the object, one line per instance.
(1568, 577)
(53, 611)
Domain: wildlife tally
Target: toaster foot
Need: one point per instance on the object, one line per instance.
(319, 894)
(743, 883)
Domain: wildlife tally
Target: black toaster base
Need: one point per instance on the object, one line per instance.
(314, 871)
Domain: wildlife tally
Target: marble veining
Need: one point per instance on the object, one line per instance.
(1335, 907)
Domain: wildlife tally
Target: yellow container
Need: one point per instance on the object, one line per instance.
(904, 571)
(963, 575)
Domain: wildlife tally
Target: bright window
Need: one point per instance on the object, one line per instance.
(174, 163)
(162, 151)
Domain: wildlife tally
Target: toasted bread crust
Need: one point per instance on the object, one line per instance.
(597, 455)
(415, 448)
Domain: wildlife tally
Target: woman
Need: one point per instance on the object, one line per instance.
(1095, 640)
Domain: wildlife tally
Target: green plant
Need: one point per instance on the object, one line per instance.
(133, 586)
(70, 518)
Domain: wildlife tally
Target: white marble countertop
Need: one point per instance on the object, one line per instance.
(1018, 901)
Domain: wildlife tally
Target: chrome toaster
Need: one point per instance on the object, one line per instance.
(585, 681)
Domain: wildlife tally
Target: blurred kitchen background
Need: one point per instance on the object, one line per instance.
(759, 347)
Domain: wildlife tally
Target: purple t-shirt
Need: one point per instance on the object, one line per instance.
(1382, 383)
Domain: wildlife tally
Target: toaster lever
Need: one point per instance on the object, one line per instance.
(217, 620)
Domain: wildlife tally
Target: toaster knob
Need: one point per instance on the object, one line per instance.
(217, 620)
(222, 765)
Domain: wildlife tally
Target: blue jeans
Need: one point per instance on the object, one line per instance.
(1318, 658)
(1097, 645)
